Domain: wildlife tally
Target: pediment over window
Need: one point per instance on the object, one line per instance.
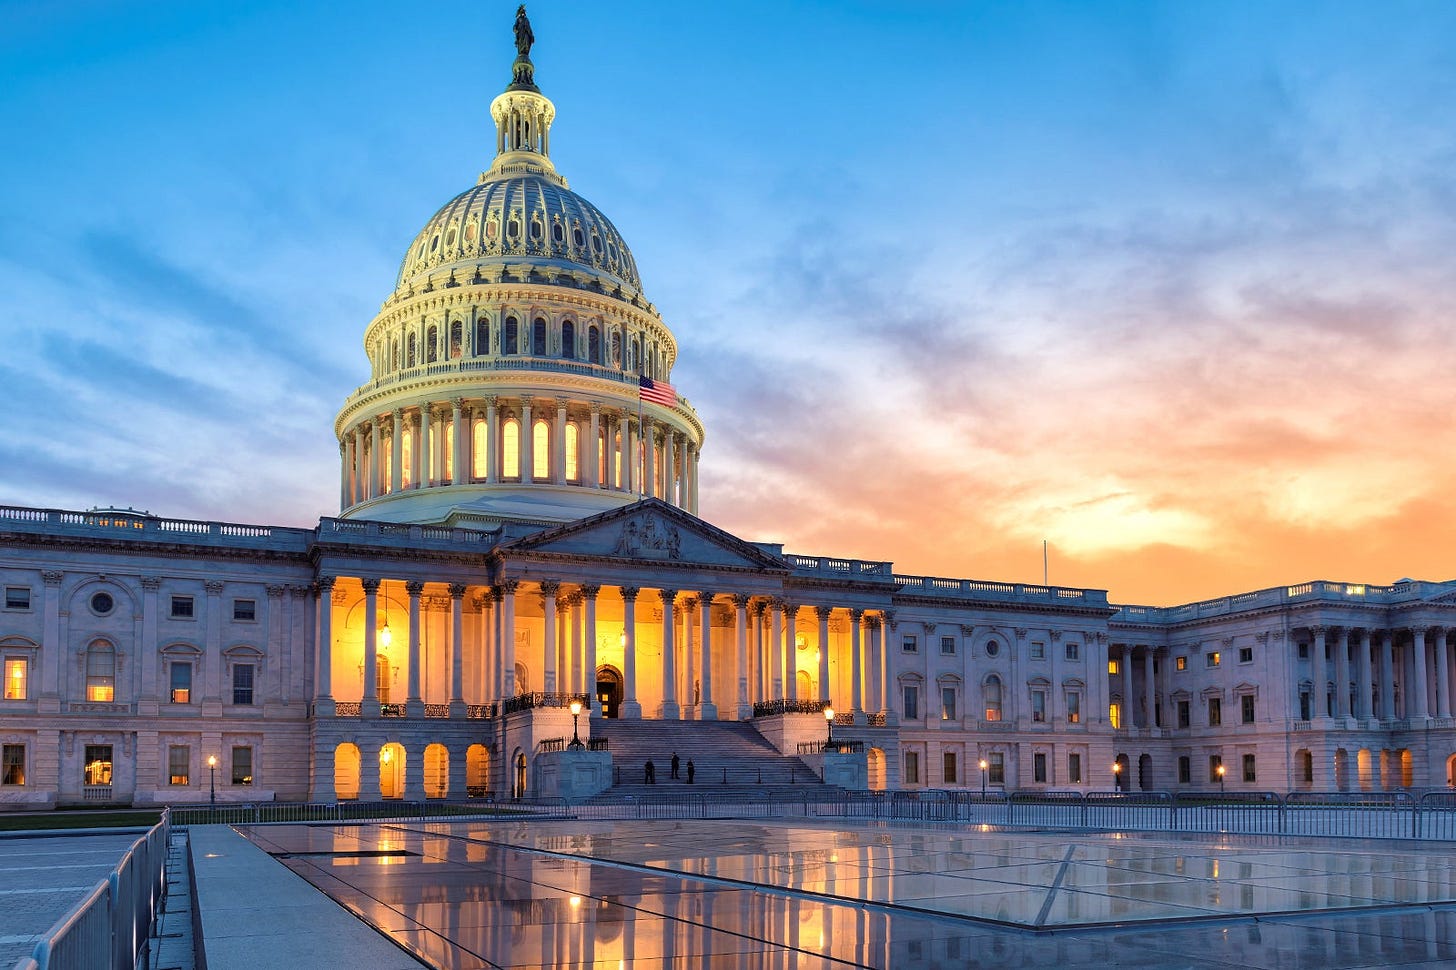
(649, 531)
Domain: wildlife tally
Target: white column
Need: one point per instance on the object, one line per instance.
(707, 710)
(823, 612)
(323, 682)
(1417, 706)
(508, 589)
(549, 589)
(376, 485)
(575, 677)
(484, 690)
(1320, 690)
(358, 488)
(631, 709)
(594, 449)
(558, 446)
(370, 705)
(459, 473)
(416, 472)
(881, 701)
(775, 649)
(649, 457)
(1443, 673)
(791, 651)
(745, 709)
(1342, 674)
(1129, 709)
(857, 679)
(344, 445)
(528, 443)
(1150, 686)
(396, 451)
(492, 441)
(669, 468)
(589, 595)
(457, 651)
(425, 470)
(1387, 675)
(414, 704)
(670, 710)
(1363, 687)
(690, 660)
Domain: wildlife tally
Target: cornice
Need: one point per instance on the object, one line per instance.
(54, 541)
(1000, 606)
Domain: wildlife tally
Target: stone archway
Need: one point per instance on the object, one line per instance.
(876, 769)
(1121, 773)
(518, 776)
(346, 772)
(609, 691)
(391, 770)
(1145, 772)
(1451, 771)
(437, 771)
(477, 771)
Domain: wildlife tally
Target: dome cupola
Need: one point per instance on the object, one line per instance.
(518, 374)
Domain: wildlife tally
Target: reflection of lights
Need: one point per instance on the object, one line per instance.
(574, 901)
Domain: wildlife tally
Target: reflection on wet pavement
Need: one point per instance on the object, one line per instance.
(511, 893)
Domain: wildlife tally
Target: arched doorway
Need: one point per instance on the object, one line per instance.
(518, 786)
(346, 772)
(437, 771)
(1121, 772)
(1451, 772)
(609, 690)
(1407, 769)
(805, 686)
(477, 771)
(876, 769)
(391, 770)
(1145, 772)
(1364, 767)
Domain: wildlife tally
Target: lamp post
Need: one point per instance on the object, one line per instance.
(984, 766)
(829, 721)
(212, 779)
(575, 738)
(1116, 775)
(1221, 770)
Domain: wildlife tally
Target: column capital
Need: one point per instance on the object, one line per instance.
(669, 596)
(823, 612)
(213, 587)
(1317, 630)
(629, 593)
(590, 590)
(856, 614)
(491, 400)
(275, 592)
(740, 600)
(596, 408)
(457, 590)
(690, 602)
(509, 585)
(705, 597)
(873, 622)
(1425, 631)
(370, 584)
(789, 607)
(152, 582)
(758, 606)
(550, 587)
(414, 587)
(323, 584)
(457, 403)
(1020, 632)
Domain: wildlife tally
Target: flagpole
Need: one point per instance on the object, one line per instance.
(1044, 581)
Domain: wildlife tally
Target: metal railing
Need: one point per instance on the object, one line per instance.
(839, 747)
(786, 706)
(110, 926)
(526, 702)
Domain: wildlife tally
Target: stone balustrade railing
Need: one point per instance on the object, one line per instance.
(980, 589)
(1320, 590)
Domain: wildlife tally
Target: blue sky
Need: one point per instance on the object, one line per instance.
(1168, 284)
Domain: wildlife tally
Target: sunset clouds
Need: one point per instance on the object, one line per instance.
(1168, 286)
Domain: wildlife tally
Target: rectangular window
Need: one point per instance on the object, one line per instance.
(1038, 650)
(1306, 763)
(1213, 659)
(911, 696)
(1074, 651)
(97, 769)
(1246, 655)
(947, 646)
(17, 671)
(17, 597)
(179, 757)
(1246, 708)
(14, 765)
(947, 704)
(1185, 770)
(910, 644)
(948, 767)
(1074, 707)
(1181, 663)
(1114, 715)
(912, 767)
(1215, 768)
(242, 683)
(180, 679)
(1304, 651)
(1074, 769)
(1215, 712)
(1184, 718)
(1038, 706)
(1250, 774)
(1112, 666)
(997, 769)
(1038, 768)
(181, 607)
(245, 610)
(1304, 707)
(242, 765)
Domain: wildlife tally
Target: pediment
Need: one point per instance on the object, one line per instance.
(650, 532)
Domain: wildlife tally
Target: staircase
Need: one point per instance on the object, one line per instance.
(730, 757)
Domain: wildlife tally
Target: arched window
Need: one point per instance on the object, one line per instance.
(448, 458)
(594, 345)
(407, 459)
(457, 339)
(101, 672)
(991, 694)
(386, 462)
(509, 339)
(411, 355)
(538, 337)
(568, 340)
(541, 450)
(432, 345)
(573, 466)
(482, 337)
(602, 469)
(617, 348)
(511, 448)
(617, 460)
(478, 450)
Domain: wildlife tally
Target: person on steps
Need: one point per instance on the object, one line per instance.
(674, 765)
(691, 771)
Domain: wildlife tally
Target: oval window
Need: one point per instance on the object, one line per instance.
(450, 237)
(577, 237)
(434, 244)
(102, 604)
(535, 230)
(513, 228)
(557, 233)
(470, 233)
(992, 648)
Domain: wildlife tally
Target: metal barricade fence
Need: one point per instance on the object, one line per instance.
(1047, 809)
(1370, 815)
(1127, 810)
(1436, 814)
(1247, 813)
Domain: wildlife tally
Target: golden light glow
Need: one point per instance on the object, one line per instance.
(511, 448)
(15, 679)
(101, 693)
(386, 756)
(212, 761)
(480, 450)
(828, 713)
(541, 450)
(573, 466)
(385, 636)
(448, 461)
(984, 766)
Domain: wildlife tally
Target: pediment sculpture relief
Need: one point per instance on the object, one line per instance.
(645, 537)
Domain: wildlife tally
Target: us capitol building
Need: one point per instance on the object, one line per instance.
(518, 493)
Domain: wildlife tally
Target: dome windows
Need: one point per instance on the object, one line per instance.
(568, 340)
(558, 233)
(435, 242)
(594, 345)
(102, 604)
(450, 237)
(432, 344)
(411, 354)
(470, 231)
(492, 226)
(577, 237)
(511, 449)
(538, 337)
(510, 337)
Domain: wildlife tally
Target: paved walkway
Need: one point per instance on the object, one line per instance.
(256, 913)
(43, 876)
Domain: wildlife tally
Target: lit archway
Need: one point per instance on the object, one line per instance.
(346, 772)
(876, 768)
(437, 771)
(477, 771)
(1364, 769)
(391, 770)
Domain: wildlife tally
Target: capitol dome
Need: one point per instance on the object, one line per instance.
(517, 372)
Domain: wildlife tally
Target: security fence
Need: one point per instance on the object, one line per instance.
(110, 926)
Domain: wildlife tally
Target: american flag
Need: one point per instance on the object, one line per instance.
(658, 392)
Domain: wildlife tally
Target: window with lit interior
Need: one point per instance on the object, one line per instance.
(101, 672)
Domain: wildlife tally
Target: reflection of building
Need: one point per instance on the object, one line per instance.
(518, 488)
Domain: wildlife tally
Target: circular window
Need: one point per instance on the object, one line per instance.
(992, 648)
(102, 603)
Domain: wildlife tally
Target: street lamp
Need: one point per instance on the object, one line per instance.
(1221, 770)
(575, 713)
(983, 776)
(829, 721)
(1116, 775)
(212, 785)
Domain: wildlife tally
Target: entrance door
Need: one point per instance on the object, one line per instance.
(609, 691)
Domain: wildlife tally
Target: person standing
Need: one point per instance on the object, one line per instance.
(691, 771)
(649, 774)
(674, 765)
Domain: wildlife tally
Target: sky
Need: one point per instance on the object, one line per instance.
(1168, 286)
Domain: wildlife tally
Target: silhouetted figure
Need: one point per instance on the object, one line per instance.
(674, 765)
(691, 771)
(649, 774)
